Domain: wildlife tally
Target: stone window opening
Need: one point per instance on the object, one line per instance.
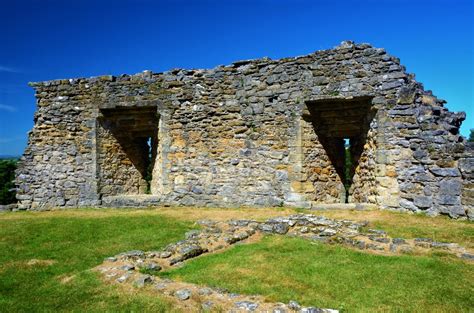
(149, 164)
(127, 148)
(347, 168)
(341, 126)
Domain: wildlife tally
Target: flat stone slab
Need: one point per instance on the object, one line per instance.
(131, 201)
(344, 206)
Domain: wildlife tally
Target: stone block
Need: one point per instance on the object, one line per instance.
(406, 94)
(450, 187)
(422, 202)
(452, 210)
(445, 172)
(302, 187)
(449, 199)
(407, 204)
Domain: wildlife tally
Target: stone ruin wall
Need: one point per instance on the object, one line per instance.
(246, 134)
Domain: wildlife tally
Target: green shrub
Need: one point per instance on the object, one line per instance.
(7, 175)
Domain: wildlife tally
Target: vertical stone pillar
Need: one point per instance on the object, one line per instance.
(160, 184)
(90, 195)
(295, 169)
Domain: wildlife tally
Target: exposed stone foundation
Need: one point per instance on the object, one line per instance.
(258, 132)
(140, 268)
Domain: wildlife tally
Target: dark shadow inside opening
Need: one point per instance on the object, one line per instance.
(136, 130)
(347, 168)
(341, 126)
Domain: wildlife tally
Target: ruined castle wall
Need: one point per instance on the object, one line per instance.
(466, 167)
(58, 166)
(431, 152)
(239, 135)
(228, 142)
(260, 91)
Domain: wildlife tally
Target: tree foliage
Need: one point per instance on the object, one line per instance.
(471, 136)
(7, 175)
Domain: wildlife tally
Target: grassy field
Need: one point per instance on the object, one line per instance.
(46, 258)
(66, 247)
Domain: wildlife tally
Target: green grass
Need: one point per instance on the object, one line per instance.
(75, 244)
(441, 228)
(284, 269)
(279, 268)
(404, 225)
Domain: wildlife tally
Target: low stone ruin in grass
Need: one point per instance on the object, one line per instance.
(139, 268)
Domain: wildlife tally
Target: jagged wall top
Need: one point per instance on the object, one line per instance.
(236, 66)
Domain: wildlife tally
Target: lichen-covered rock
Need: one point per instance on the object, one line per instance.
(152, 266)
(142, 280)
(132, 254)
(246, 305)
(183, 294)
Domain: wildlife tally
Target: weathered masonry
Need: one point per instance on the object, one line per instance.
(340, 125)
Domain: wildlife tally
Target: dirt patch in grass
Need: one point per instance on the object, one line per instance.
(66, 279)
(37, 262)
(182, 213)
(226, 214)
(26, 264)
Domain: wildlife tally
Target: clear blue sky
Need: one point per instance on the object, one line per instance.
(46, 39)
